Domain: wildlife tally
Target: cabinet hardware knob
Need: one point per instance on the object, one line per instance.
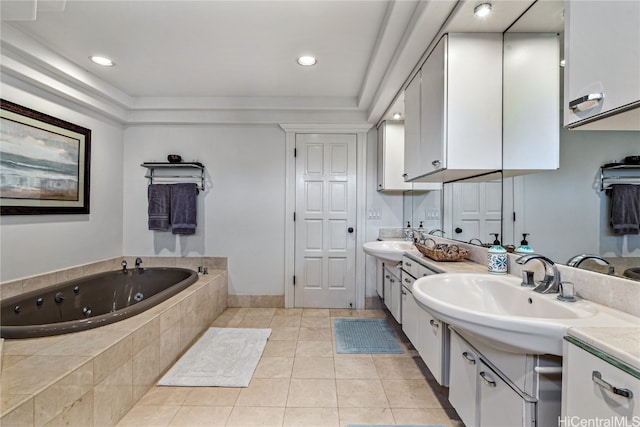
(586, 102)
(434, 324)
(436, 163)
(487, 379)
(469, 358)
(596, 376)
(405, 175)
(408, 264)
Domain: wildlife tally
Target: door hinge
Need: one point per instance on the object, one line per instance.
(294, 280)
(514, 217)
(295, 152)
(294, 216)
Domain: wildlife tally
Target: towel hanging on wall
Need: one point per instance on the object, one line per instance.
(159, 196)
(625, 208)
(184, 210)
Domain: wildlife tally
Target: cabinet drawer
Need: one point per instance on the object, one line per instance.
(463, 379)
(595, 388)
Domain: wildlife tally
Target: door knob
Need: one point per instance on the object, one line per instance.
(350, 229)
(458, 230)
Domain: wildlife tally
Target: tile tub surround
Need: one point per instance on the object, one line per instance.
(94, 377)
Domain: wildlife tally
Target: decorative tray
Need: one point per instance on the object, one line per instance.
(442, 252)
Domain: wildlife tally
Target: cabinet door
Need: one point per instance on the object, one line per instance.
(433, 155)
(431, 345)
(498, 404)
(380, 279)
(412, 129)
(391, 157)
(601, 51)
(593, 388)
(463, 379)
(409, 310)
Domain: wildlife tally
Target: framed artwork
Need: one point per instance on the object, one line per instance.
(44, 163)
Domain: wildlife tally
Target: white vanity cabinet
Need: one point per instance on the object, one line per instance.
(463, 379)
(393, 291)
(380, 278)
(453, 119)
(602, 45)
(595, 387)
(391, 160)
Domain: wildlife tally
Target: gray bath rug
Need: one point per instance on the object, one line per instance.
(222, 357)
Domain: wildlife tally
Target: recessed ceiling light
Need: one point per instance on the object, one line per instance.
(482, 10)
(307, 61)
(101, 60)
(397, 116)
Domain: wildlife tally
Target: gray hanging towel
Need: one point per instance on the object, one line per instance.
(159, 196)
(625, 208)
(184, 208)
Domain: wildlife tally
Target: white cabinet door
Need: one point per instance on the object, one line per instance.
(602, 47)
(409, 310)
(380, 278)
(498, 404)
(463, 379)
(594, 388)
(432, 346)
(412, 129)
(433, 101)
(393, 292)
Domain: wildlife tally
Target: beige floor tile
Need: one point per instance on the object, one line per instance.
(355, 367)
(158, 396)
(314, 349)
(315, 312)
(315, 322)
(313, 367)
(288, 312)
(212, 396)
(201, 416)
(311, 417)
(312, 393)
(260, 312)
(279, 349)
(149, 416)
(315, 334)
(255, 416)
(284, 333)
(368, 314)
(397, 368)
(278, 321)
(365, 416)
(445, 417)
(274, 367)
(361, 394)
(255, 322)
(264, 392)
(410, 394)
(343, 312)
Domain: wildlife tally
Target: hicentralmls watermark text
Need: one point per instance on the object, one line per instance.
(575, 421)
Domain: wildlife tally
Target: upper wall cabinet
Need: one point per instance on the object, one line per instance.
(531, 124)
(602, 53)
(391, 160)
(453, 110)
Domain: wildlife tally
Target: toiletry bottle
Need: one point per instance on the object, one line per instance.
(408, 233)
(497, 257)
(524, 247)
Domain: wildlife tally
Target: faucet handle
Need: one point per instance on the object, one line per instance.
(567, 292)
(527, 279)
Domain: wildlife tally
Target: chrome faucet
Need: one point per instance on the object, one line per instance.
(577, 260)
(124, 265)
(138, 262)
(436, 230)
(476, 240)
(551, 281)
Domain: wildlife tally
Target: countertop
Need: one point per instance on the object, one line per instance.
(621, 343)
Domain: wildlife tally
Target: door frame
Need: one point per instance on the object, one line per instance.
(360, 130)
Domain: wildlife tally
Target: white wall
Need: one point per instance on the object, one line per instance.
(241, 213)
(34, 244)
(565, 212)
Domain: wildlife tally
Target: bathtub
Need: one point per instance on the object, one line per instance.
(91, 301)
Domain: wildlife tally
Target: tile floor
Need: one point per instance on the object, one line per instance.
(301, 381)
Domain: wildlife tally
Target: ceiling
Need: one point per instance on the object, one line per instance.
(239, 54)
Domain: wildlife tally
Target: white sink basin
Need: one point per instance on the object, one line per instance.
(500, 312)
(390, 251)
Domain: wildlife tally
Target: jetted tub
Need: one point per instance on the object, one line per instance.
(91, 301)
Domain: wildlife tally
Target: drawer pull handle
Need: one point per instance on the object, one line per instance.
(586, 102)
(487, 379)
(469, 358)
(596, 376)
(434, 324)
(408, 264)
(407, 280)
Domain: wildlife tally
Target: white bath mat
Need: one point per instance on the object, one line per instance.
(222, 357)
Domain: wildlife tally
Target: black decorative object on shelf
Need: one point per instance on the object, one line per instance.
(174, 158)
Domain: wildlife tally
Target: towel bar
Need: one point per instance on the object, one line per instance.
(174, 177)
(624, 174)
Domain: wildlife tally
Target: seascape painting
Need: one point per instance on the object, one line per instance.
(37, 164)
(44, 163)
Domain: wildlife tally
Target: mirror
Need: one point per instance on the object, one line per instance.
(564, 211)
(420, 206)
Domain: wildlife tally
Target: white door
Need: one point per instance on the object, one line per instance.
(477, 210)
(325, 239)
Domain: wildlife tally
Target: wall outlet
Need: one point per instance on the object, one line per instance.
(374, 214)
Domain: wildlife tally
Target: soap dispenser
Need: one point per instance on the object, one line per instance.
(497, 257)
(524, 247)
(408, 233)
